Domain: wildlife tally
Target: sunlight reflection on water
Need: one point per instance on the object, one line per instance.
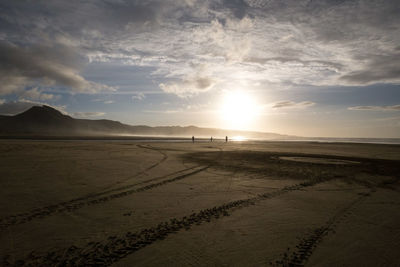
(239, 138)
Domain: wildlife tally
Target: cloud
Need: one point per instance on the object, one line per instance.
(188, 87)
(376, 108)
(138, 96)
(88, 114)
(277, 42)
(294, 61)
(291, 104)
(329, 47)
(42, 65)
(16, 107)
(103, 100)
(378, 69)
(36, 94)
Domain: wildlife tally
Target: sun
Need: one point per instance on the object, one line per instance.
(238, 110)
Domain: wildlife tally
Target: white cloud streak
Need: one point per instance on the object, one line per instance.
(188, 87)
(376, 108)
(88, 114)
(37, 94)
(138, 96)
(292, 104)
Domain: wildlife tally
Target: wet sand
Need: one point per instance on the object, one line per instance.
(130, 203)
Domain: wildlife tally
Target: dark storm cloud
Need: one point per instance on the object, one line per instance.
(333, 19)
(75, 17)
(45, 65)
(380, 68)
(237, 7)
(351, 30)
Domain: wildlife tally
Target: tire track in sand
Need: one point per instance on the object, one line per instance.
(104, 192)
(164, 158)
(103, 196)
(308, 244)
(96, 199)
(48, 210)
(114, 248)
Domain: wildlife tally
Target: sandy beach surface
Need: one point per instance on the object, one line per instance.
(132, 203)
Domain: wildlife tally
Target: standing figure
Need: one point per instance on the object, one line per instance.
(193, 139)
(211, 138)
(226, 139)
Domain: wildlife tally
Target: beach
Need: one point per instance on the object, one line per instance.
(137, 203)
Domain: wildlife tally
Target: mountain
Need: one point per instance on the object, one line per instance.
(47, 121)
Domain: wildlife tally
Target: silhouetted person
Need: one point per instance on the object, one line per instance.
(211, 139)
(226, 139)
(193, 139)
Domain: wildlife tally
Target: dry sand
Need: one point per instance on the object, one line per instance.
(123, 203)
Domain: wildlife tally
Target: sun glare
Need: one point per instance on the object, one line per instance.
(239, 138)
(238, 110)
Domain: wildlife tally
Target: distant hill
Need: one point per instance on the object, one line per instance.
(47, 121)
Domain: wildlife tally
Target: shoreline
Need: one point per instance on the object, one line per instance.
(378, 141)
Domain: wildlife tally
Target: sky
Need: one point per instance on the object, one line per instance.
(309, 68)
